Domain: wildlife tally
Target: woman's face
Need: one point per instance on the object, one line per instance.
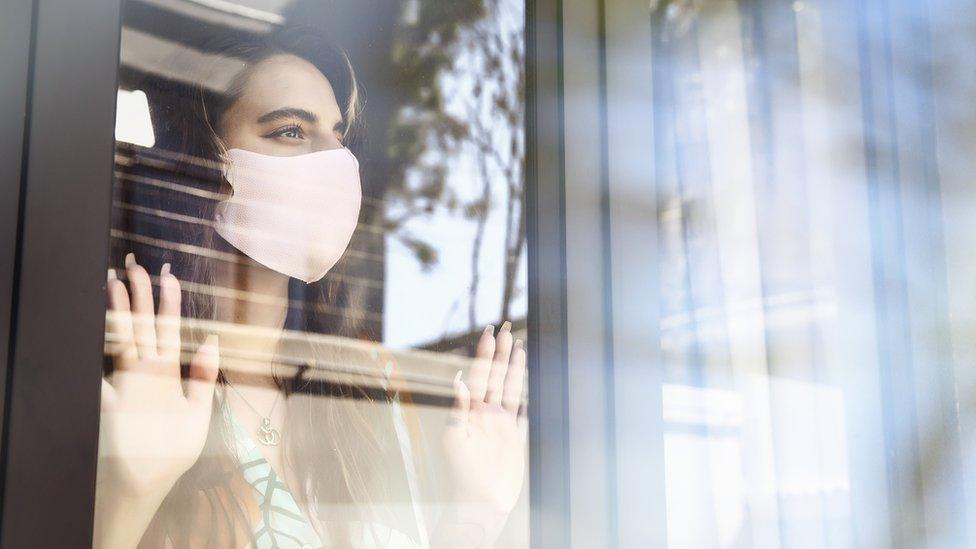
(286, 108)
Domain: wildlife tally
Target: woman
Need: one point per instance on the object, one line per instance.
(239, 450)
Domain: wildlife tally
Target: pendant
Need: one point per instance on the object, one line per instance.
(268, 435)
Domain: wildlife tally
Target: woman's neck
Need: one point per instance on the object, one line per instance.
(254, 308)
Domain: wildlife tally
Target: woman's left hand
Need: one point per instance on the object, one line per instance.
(486, 434)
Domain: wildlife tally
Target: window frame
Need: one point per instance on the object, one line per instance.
(15, 40)
(53, 388)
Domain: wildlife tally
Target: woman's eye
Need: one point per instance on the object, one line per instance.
(290, 132)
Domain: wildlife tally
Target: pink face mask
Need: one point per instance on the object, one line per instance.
(292, 214)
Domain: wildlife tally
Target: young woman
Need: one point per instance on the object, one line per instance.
(238, 450)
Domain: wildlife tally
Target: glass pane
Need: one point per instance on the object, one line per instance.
(816, 271)
(317, 286)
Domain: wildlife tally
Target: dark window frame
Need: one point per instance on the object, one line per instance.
(15, 41)
(57, 328)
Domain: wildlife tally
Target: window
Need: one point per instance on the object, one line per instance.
(327, 208)
(734, 236)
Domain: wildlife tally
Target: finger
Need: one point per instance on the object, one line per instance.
(477, 376)
(168, 318)
(515, 380)
(499, 365)
(203, 373)
(458, 416)
(118, 324)
(143, 312)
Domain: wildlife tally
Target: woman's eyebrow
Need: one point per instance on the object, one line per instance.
(288, 112)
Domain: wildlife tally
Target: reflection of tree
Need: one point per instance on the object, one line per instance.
(459, 69)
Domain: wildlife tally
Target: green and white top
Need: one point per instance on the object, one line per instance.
(283, 525)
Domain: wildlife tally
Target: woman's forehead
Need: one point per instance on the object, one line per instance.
(289, 80)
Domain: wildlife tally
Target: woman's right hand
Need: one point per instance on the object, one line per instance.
(152, 429)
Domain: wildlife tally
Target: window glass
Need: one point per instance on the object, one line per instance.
(316, 330)
(815, 262)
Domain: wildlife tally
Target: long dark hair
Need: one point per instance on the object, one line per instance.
(338, 434)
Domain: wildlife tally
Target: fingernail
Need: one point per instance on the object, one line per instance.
(489, 330)
(211, 342)
(112, 275)
(506, 326)
(457, 377)
(518, 344)
(165, 270)
(130, 259)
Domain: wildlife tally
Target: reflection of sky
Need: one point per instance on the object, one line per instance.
(424, 306)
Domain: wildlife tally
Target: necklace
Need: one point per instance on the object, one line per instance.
(267, 435)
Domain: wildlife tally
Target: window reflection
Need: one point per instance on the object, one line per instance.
(813, 398)
(316, 325)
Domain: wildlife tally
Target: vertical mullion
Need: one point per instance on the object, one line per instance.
(52, 424)
(923, 245)
(15, 42)
(635, 299)
(549, 472)
(588, 391)
(894, 343)
(954, 84)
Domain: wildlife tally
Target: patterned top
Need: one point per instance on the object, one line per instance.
(283, 525)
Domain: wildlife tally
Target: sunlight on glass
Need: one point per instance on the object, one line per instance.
(132, 121)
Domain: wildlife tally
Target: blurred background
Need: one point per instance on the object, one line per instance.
(802, 188)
